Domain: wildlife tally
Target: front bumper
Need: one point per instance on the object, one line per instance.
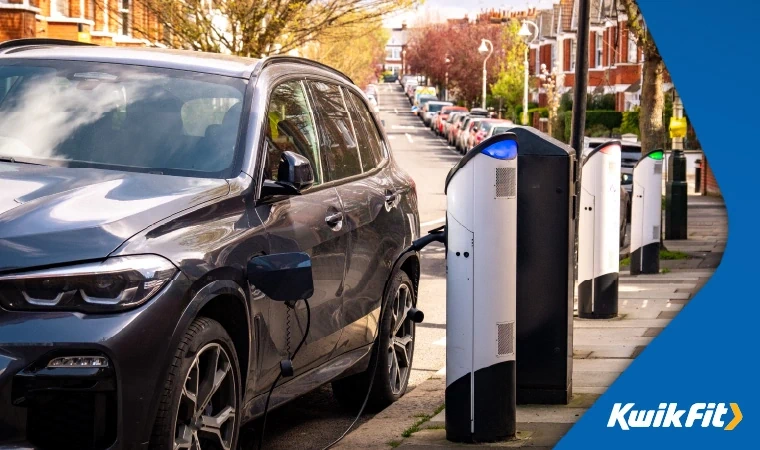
(86, 408)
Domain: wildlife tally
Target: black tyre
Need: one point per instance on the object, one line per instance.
(394, 352)
(200, 403)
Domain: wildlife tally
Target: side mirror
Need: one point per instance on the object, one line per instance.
(295, 170)
(283, 277)
(294, 174)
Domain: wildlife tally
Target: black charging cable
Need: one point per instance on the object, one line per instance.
(435, 235)
(286, 368)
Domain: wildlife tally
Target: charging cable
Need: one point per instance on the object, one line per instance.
(286, 366)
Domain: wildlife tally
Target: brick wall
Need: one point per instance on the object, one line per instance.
(709, 183)
(17, 24)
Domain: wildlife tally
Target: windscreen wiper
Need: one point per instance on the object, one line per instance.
(13, 160)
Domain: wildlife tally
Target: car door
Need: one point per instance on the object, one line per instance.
(311, 222)
(376, 225)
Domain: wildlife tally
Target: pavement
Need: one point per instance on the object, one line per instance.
(603, 349)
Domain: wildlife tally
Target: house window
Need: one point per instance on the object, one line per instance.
(599, 49)
(553, 60)
(632, 48)
(59, 8)
(573, 48)
(124, 27)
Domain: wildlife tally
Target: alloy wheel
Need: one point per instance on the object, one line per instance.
(208, 403)
(401, 347)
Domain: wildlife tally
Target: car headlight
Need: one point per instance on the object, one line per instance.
(113, 285)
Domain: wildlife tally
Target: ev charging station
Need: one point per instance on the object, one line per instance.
(481, 241)
(598, 235)
(646, 214)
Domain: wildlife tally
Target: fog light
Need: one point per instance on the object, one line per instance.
(79, 361)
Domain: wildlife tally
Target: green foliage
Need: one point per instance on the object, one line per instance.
(605, 102)
(600, 122)
(630, 123)
(510, 83)
(625, 262)
(672, 255)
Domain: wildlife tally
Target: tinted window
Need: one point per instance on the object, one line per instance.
(340, 154)
(290, 128)
(370, 146)
(83, 114)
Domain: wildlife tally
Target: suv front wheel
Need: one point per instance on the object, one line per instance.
(394, 351)
(200, 405)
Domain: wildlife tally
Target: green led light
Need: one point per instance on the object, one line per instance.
(656, 155)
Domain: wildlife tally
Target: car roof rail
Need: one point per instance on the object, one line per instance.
(275, 59)
(18, 44)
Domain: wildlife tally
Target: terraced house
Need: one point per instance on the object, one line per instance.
(615, 60)
(102, 22)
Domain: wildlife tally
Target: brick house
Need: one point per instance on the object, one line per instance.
(102, 22)
(615, 61)
(395, 58)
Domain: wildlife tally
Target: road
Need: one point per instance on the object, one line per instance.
(315, 420)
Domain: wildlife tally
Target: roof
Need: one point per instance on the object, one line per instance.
(214, 63)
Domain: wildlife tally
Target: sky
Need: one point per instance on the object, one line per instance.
(439, 10)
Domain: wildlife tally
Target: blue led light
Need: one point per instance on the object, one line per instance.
(506, 149)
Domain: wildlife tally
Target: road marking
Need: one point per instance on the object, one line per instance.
(409, 138)
(441, 342)
(395, 110)
(433, 222)
(406, 127)
(391, 136)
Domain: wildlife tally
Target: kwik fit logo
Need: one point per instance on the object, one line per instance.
(668, 415)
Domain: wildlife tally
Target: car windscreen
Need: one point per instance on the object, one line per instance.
(116, 116)
(424, 99)
(499, 130)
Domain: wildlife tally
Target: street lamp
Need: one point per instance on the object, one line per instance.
(446, 87)
(403, 61)
(486, 46)
(529, 37)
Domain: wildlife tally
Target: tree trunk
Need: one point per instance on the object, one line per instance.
(652, 104)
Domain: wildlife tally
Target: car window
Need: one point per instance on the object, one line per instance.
(339, 149)
(367, 136)
(290, 127)
(120, 117)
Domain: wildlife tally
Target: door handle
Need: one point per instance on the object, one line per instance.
(335, 220)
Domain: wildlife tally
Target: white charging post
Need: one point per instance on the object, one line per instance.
(646, 214)
(481, 277)
(598, 233)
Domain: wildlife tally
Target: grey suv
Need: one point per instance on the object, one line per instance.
(142, 190)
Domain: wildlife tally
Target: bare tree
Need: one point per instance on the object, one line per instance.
(651, 123)
(253, 28)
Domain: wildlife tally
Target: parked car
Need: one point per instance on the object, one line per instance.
(463, 138)
(431, 109)
(443, 116)
(371, 89)
(499, 128)
(480, 112)
(422, 101)
(391, 78)
(373, 103)
(481, 130)
(406, 79)
(141, 209)
(448, 124)
(456, 128)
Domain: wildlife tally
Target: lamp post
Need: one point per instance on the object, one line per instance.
(403, 62)
(486, 46)
(529, 37)
(446, 83)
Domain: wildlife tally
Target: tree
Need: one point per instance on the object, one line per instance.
(510, 82)
(254, 28)
(651, 123)
(360, 59)
(430, 45)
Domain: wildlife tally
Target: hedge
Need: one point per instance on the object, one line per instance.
(630, 123)
(594, 120)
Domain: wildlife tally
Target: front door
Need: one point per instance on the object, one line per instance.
(312, 223)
